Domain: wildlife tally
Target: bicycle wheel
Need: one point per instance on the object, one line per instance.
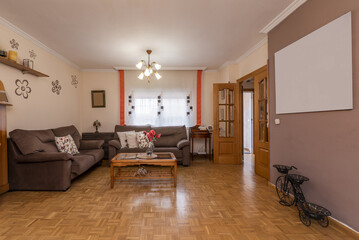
(285, 191)
(303, 217)
(323, 221)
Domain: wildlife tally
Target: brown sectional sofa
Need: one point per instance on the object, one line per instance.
(173, 139)
(36, 164)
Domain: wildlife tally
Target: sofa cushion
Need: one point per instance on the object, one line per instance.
(32, 141)
(132, 139)
(142, 140)
(170, 136)
(137, 128)
(63, 131)
(66, 144)
(81, 162)
(123, 138)
(98, 154)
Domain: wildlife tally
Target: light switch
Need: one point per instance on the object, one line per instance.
(277, 121)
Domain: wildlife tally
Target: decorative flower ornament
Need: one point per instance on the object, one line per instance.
(56, 87)
(14, 44)
(32, 54)
(23, 88)
(74, 81)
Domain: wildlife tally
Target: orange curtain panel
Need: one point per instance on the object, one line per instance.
(199, 81)
(122, 97)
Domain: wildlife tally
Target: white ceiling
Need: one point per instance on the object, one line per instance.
(101, 34)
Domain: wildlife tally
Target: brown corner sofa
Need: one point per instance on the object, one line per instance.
(36, 164)
(173, 139)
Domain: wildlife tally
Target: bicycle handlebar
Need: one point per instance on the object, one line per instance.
(293, 167)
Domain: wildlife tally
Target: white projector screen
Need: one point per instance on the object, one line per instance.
(315, 72)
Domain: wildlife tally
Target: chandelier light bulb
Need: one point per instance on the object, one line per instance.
(151, 71)
(139, 64)
(142, 74)
(158, 76)
(147, 72)
(157, 66)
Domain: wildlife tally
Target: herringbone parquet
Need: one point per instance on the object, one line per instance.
(210, 202)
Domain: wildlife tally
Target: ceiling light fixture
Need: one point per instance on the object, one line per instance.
(148, 69)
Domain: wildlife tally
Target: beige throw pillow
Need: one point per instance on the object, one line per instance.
(132, 140)
(123, 139)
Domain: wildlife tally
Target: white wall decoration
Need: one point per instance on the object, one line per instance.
(315, 72)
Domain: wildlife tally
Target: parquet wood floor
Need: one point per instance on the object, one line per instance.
(210, 202)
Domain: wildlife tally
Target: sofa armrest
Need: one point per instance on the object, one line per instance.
(181, 144)
(43, 157)
(115, 143)
(91, 144)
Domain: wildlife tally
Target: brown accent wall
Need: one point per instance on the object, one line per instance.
(323, 145)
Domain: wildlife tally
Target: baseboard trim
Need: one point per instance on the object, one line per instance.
(335, 221)
(4, 188)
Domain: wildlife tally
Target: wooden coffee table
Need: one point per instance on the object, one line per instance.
(165, 159)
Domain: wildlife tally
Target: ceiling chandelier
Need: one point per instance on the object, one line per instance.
(148, 69)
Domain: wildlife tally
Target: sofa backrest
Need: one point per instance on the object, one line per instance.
(170, 135)
(126, 128)
(31, 141)
(64, 131)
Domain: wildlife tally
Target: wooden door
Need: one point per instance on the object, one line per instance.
(225, 130)
(261, 124)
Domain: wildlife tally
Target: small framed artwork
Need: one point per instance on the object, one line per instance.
(98, 99)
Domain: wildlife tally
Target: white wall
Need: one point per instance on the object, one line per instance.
(108, 116)
(43, 108)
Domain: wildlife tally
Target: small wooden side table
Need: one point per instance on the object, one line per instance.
(106, 136)
(196, 133)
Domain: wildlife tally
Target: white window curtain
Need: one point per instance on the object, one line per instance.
(174, 112)
(146, 109)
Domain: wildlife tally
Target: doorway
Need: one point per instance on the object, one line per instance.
(248, 128)
(257, 126)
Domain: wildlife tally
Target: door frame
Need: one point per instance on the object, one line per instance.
(240, 126)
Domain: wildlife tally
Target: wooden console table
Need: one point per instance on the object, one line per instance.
(196, 133)
(106, 136)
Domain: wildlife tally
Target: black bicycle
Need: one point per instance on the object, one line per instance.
(289, 192)
(288, 186)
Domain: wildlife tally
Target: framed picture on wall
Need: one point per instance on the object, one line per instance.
(98, 98)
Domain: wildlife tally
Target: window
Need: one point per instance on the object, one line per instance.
(173, 111)
(145, 111)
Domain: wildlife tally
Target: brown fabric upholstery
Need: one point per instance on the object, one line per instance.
(43, 157)
(173, 139)
(98, 154)
(51, 175)
(40, 166)
(181, 144)
(32, 141)
(72, 130)
(91, 144)
(80, 164)
(115, 143)
(170, 136)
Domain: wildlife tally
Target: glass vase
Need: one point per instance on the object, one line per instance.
(150, 148)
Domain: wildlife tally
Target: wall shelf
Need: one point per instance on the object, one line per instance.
(22, 68)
